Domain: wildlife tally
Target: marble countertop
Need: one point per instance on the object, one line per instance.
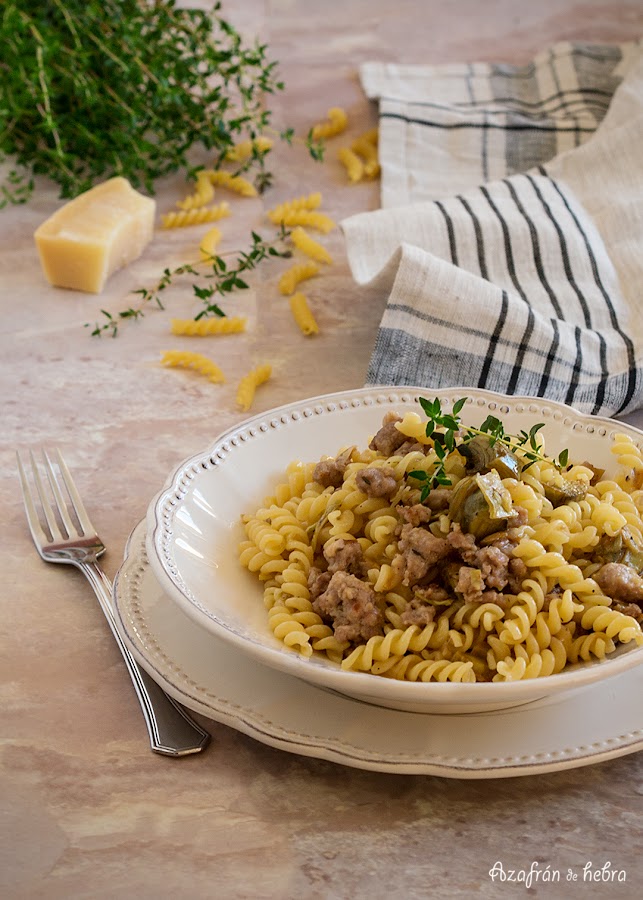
(86, 809)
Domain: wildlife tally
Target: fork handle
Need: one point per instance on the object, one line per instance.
(171, 730)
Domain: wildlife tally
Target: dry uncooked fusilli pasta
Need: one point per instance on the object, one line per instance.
(202, 195)
(371, 136)
(295, 274)
(365, 145)
(185, 359)
(209, 243)
(306, 201)
(352, 163)
(243, 150)
(310, 218)
(196, 216)
(361, 159)
(205, 327)
(308, 245)
(337, 122)
(302, 314)
(249, 384)
(233, 182)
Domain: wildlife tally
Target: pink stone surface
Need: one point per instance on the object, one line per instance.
(87, 810)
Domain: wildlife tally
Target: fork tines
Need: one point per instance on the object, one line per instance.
(54, 518)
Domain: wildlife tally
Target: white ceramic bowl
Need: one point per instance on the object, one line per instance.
(194, 529)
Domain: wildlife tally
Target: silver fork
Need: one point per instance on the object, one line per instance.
(59, 539)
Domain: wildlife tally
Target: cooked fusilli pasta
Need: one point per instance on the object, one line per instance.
(513, 569)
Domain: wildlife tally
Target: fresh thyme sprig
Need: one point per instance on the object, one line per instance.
(218, 279)
(225, 280)
(448, 431)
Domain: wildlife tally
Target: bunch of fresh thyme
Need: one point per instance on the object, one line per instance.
(447, 431)
(95, 88)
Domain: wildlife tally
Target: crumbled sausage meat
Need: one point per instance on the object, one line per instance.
(473, 589)
(388, 438)
(351, 605)
(629, 609)
(419, 550)
(620, 582)
(410, 446)
(520, 517)
(417, 613)
(438, 499)
(503, 542)
(470, 584)
(492, 562)
(344, 556)
(330, 472)
(376, 481)
(317, 581)
(495, 597)
(494, 565)
(518, 571)
(464, 543)
(416, 514)
(433, 593)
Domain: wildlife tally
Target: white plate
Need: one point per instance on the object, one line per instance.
(210, 677)
(194, 529)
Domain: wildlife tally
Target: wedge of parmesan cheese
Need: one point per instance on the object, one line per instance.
(95, 234)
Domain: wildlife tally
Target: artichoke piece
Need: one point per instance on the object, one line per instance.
(597, 474)
(481, 504)
(483, 454)
(620, 548)
(565, 492)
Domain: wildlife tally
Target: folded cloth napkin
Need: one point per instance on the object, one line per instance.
(511, 234)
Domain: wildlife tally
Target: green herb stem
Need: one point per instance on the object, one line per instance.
(216, 276)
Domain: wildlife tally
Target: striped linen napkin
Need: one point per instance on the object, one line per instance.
(510, 239)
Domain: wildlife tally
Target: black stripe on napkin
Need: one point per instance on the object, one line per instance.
(567, 100)
(546, 127)
(629, 347)
(448, 221)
